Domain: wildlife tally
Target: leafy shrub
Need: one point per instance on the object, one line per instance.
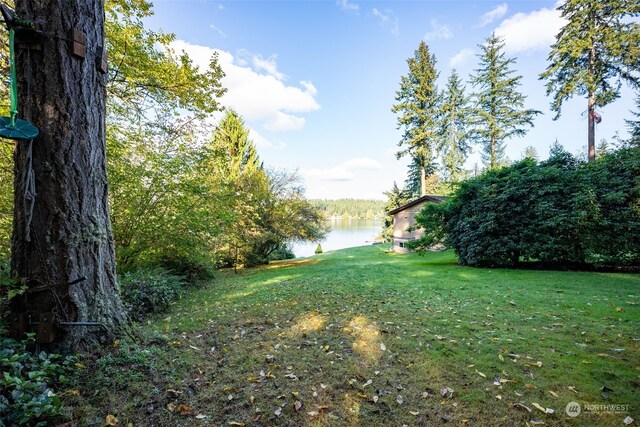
(149, 290)
(28, 383)
(282, 252)
(560, 211)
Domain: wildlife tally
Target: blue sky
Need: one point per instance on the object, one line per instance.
(315, 80)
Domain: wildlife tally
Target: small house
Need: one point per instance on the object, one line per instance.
(404, 219)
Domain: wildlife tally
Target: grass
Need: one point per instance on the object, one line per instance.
(362, 337)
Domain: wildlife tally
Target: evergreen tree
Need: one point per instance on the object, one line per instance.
(417, 107)
(452, 133)
(498, 112)
(634, 126)
(531, 152)
(413, 183)
(235, 153)
(597, 49)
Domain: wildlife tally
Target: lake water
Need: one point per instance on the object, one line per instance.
(345, 233)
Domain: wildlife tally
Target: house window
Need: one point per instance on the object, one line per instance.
(401, 244)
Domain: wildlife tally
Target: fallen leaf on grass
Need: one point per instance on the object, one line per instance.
(446, 390)
(383, 347)
(538, 406)
(400, 400)
(375, 399)
(367, 383)
(110, 420)
(572, 388)
(553, 393)
(183, 409)
(236, 423)
(481, 374)
(501, 358)
(278, 412)
(521, 406)
(202, 417)
(536, 422)
(297, 405)
(628, 420)
(414, 413)
(313, 413)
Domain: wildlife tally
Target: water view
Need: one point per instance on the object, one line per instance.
(345, 233)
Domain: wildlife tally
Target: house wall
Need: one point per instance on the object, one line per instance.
(401, 222)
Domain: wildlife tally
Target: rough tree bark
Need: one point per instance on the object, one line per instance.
(69, 236)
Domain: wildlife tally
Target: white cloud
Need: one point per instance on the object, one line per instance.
(218, 30)
(345, 171)
(387, 20)
(261, 142)
(255, 88)
(345, 5)
(530, 31)
(494, 14)
(461, 57)
(438, 31)
(259, 63)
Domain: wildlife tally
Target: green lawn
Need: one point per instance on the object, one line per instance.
(363, 337)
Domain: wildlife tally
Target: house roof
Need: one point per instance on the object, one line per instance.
(426, 198)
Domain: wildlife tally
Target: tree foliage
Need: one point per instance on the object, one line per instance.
(417, 107)
(634, 126)
(594, 52)
(559, 211)
(453, 143)
(498, 112)
(266, 208)
(350, 208)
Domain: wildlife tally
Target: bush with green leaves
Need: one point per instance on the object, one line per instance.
(28, 384)
(560, 211)
(149, 290)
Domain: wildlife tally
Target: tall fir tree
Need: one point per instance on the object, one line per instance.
(634, 126)
(453, 143)
(417, 107)
(416, 186)
(234, 152)
(498, 111)
(594, 52)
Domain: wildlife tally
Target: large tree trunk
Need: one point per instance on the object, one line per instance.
(591, 133)
(423, 181)
(68, 236)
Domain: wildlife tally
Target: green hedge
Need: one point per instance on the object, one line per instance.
(560, 211)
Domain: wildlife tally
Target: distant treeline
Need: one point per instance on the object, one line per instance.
(350, 208)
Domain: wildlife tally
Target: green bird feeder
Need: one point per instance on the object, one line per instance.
(12, 127)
